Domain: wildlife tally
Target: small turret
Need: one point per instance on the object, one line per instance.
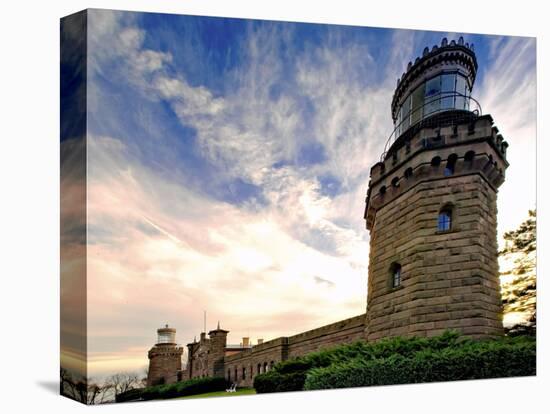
(440, 80)
(164, 358)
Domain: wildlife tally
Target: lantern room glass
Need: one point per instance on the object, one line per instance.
(166, 338)
(446, 91)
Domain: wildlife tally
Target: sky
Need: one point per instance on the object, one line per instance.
(228, 163)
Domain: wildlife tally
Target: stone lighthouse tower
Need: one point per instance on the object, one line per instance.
(431, 205)
(164, 358)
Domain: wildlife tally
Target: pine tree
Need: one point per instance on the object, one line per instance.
(518, 278)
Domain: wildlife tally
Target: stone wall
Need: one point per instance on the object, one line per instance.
(254, 361)
(341, 332)
(262, 357)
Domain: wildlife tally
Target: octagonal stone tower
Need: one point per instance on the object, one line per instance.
(431, 206)
(164, 358)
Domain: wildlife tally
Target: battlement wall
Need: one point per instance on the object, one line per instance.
(338, 333)
(244, 366)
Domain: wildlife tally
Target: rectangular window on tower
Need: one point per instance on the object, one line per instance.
(417, 104)
(444, 220)
(395, 275)
(406, 114)
(432, 95)
(460, 89)
(447, 90)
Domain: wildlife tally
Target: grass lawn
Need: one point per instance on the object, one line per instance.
(240, 391)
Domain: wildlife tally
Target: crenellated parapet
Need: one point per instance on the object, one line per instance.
(473, 147)
(439, 81)
(448, 56)
(160, 350)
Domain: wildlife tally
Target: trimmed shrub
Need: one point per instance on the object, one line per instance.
(472, 360)
(178, 389)
(290, 375)
(386, 348)
(131, 395)
(277, 382)
(293, 365)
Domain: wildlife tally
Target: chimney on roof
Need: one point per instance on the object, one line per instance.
(246, 341)
(260, 341)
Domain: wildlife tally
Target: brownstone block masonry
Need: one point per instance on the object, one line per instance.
(431, 212)
(431, 206)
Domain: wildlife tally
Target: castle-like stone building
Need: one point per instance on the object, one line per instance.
(431, 212)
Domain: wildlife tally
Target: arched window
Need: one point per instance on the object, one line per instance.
(228, 375)
(408, 173)
(445, 219)
(251, 372)
(244, 373)
(259, 368)
(395, 274)
(236, 374)
(436, 161)
(450, 167)
(271, 364)
(469, 157)
(265, 367)
(394, 157)
(383, 190)
(395, 182)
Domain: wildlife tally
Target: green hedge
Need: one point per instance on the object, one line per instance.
(385, 348)
(473, 360)
(276, 382)
(178, 389)
(290, 375)
(131, 395)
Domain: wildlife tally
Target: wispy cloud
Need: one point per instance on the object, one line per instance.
(243, 266)
(508, 93)
(290, 135)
